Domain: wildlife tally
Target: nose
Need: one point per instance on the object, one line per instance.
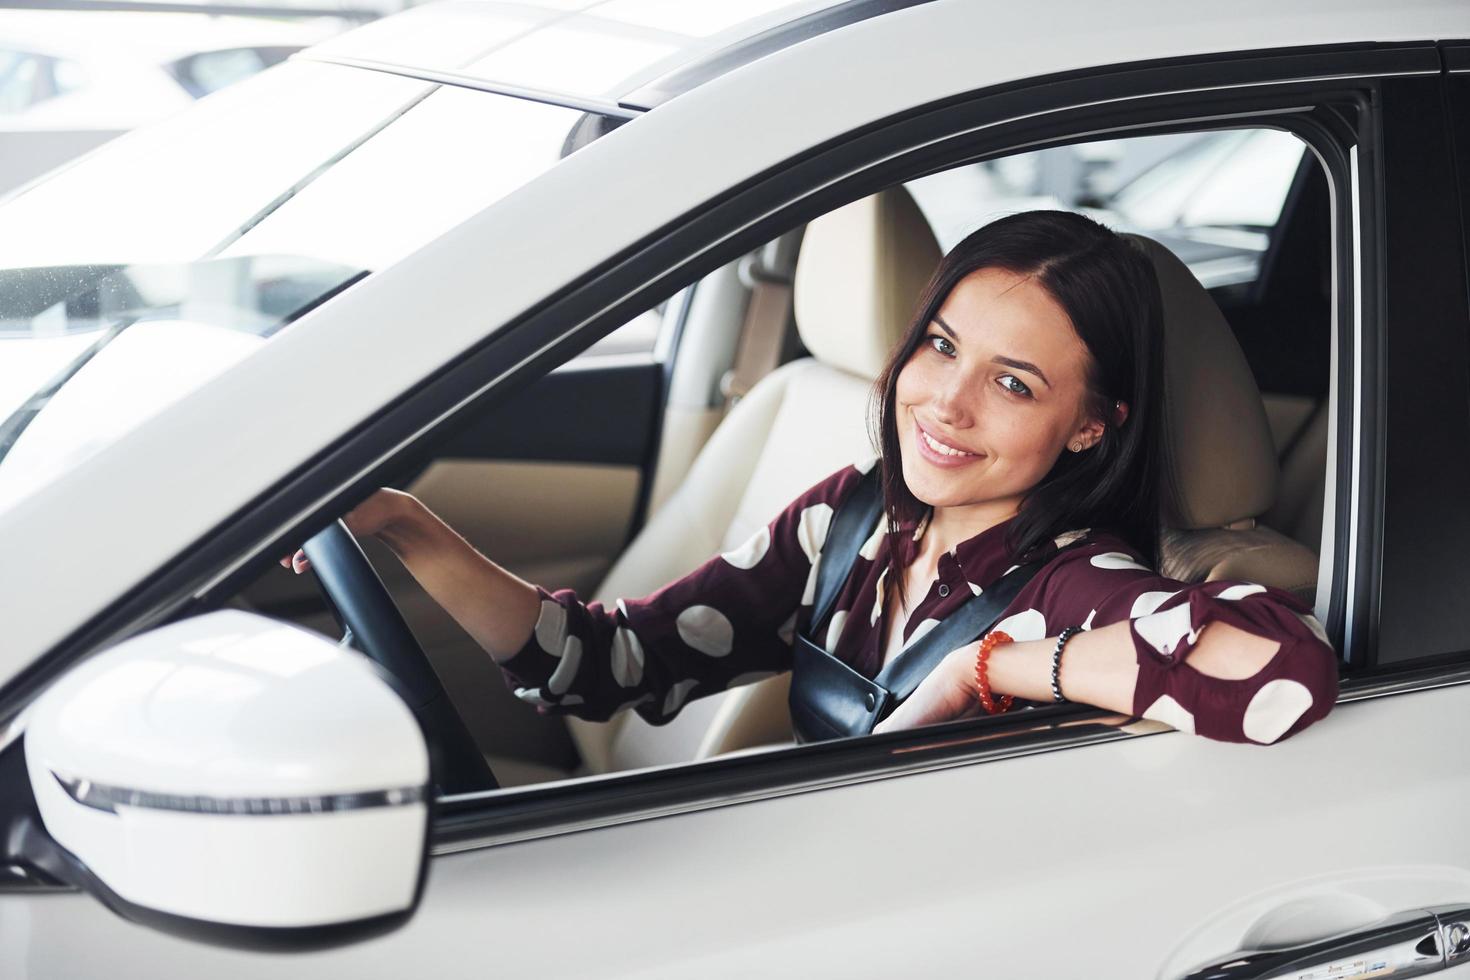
(950, 403)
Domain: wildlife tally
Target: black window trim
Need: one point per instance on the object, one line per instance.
(1138, 97)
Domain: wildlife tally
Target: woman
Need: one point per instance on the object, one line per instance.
(1017, 423)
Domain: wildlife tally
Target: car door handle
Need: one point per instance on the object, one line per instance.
(1409, 944)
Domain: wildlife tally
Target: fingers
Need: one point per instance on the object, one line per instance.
(296, 562)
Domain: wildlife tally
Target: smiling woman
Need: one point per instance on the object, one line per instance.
(1018, 423)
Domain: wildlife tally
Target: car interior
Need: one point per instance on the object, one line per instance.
(677, 436)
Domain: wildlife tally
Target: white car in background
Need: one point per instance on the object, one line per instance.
(390, 260)
(72, 79)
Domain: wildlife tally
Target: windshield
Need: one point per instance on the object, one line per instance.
(101, 348)
(154, 264)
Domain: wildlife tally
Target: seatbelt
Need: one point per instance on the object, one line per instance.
(831, 700)
(763, 334)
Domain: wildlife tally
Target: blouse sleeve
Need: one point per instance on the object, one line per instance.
(728, 622)
(1095, 585)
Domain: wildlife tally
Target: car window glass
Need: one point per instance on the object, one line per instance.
(353, 172)
(141, 198)
(18, 74)
(449, 156)
(1214, 197)
(213, 70)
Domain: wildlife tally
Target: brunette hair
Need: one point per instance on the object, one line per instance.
(1106, 285)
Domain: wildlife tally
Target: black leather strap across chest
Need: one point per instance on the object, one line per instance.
(831, 700)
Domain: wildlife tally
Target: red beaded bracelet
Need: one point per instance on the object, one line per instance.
(982, 682)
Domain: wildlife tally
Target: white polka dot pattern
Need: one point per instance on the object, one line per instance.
(834, 629)
(811, 529)
(1164, 630)
(1149, 602)
(1315, 625)
(566, 671)
(707, 630)
(1116, 559)
(975, 589)
(1171, 713)
(1087, 623)
(532, 695)
(674, 700)
(627, 657)
(809, 594)
(877, 599)
(787, 630)
(551, 627)
(866, 464)
(1241, 591)
(749, 554)
(869, 549)
(1274, 709)
(920, 631)
(1023, 626)
(1071, 537)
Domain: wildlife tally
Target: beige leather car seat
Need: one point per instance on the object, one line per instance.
(1219, 457)
(859, 274)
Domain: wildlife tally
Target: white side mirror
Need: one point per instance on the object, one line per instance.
(234, 779)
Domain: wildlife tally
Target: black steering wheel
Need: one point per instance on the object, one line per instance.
(376, 628)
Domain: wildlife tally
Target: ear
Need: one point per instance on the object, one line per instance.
(1120, 414)
(1089, 434)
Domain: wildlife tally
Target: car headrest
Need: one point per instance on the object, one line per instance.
(858, 279)
(1219, 459)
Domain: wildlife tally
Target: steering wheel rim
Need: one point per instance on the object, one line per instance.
(377, 628)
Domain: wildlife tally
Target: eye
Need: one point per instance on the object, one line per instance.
(941, 345)
(1014, 385)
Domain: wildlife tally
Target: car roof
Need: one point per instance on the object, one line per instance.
(633, 53)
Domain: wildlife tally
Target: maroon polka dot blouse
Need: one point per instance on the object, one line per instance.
(730, 622)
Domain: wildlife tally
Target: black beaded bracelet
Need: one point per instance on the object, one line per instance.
(1056, 662)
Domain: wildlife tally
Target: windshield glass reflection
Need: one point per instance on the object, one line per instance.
(89, 351)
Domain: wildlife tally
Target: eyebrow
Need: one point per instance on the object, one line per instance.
(1009, 362)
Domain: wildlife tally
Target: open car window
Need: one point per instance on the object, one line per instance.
(527, 749)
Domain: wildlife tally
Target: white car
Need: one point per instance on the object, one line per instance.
(403, 257)
(72, 79)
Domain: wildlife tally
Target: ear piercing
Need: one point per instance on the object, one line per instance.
(1076, 447)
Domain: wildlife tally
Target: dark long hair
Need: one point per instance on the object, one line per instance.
(1107, 286)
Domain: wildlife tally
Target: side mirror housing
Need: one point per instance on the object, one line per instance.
(233, 779)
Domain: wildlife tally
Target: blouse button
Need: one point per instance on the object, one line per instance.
(872, 702)
(943, 591)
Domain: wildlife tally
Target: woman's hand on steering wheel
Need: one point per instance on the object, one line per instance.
(367, 519)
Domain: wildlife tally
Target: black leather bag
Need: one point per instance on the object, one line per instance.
(831, 700)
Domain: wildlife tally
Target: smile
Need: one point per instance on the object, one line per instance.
(940, 452)
(940, 447)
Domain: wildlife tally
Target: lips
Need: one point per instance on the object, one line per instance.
(940, 452)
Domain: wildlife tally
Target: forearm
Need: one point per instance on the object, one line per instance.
(1098, 668)
(497, 609)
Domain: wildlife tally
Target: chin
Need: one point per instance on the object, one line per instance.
(931, 488)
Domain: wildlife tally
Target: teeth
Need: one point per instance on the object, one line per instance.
(940, 447)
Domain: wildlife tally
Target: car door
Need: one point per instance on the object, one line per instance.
(1060, 843)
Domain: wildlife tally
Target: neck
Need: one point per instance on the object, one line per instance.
(948, 526)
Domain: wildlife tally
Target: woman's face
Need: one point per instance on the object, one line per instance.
(992, 395)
